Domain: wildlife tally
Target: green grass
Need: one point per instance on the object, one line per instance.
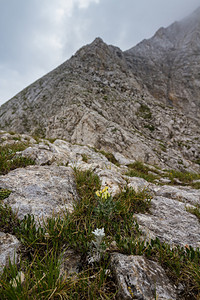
(43, 245)
(84, 157)
(4, 193)
(8, 160)
(150, 127)
(197, 161)
(8, 219)
(51, 140)
(110, 157)
(144, 112)
(138, 169)
(185, 178)
(195, 211)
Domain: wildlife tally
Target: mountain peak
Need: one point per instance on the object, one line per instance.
(97, 41)
(100, 56)
(92, 49)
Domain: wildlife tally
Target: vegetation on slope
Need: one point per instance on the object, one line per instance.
(37, 276)
(10, 161)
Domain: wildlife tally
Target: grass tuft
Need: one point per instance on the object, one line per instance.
(185, 178)
(110, 157)
(4, 193)
(43, 246)
(138, 169)
(9, 161)
(195, 211)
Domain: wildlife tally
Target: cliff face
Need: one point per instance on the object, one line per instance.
(169, 64)
(142, 103)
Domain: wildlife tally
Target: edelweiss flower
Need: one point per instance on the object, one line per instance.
(99, 232)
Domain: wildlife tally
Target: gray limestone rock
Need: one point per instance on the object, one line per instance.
(69, 262)
(170, 222)
(40, 190)
(120, 102)
(139, 278)
(112, 179)
(138, 184)
(166, 62)
(9, 245)
(122, 159)
(180, 193)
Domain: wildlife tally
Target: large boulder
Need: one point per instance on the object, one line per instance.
(9, 245)
(40, 190)
(170, 222)
(140, 278)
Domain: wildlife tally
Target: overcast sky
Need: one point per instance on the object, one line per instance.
(38, 35)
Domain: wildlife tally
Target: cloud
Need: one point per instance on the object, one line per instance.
(37, 36)
(33, 38)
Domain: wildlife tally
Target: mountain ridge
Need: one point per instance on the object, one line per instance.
(140, 102)
(106, 182)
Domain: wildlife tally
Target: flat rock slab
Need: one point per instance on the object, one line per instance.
(138, 184)
(183, 194)
(171, 223)
(112, 179)
(63, 153)
(140, 278)
(40, 190)
(9, 245)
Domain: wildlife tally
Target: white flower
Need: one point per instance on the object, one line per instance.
(99, 232)
(98, 246)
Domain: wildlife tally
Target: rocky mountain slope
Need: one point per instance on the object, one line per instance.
(92, 201)
(169, 64)
(142, 103)
(49, 188)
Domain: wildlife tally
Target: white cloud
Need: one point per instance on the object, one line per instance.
(86, 3)
(37, 36)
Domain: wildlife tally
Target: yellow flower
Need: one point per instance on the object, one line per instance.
(98, 193)
(105, 189)
(105, 195)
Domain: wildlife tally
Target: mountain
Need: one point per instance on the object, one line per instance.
(169, 64)
(102, 196)
(142, 103)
